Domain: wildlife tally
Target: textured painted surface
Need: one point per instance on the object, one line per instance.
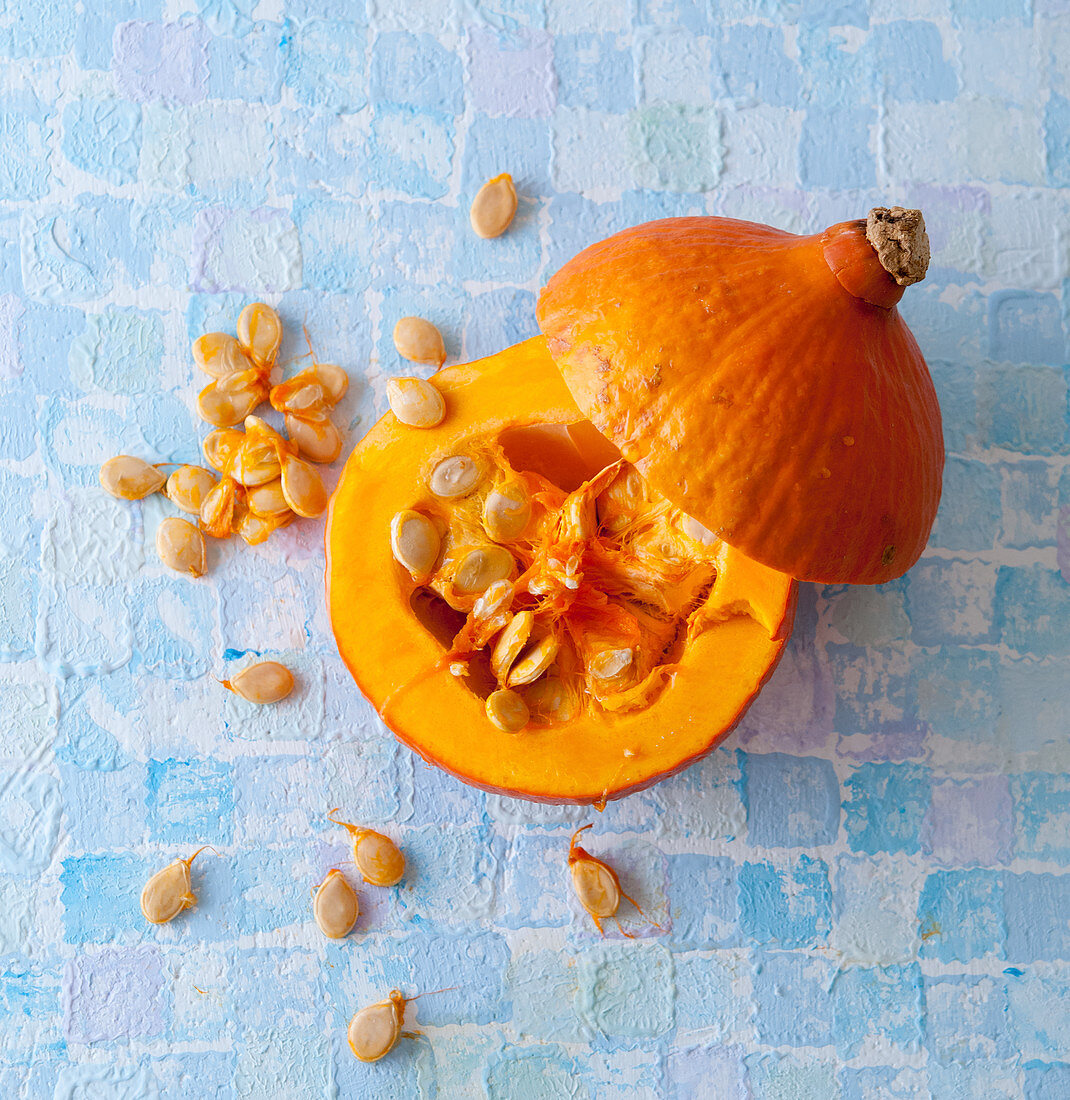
(863, 894)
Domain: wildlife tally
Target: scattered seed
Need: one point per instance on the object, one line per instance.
(303, 488)
(181, 546)
(509, 644)
(268, 500)
(506, 512)
(595, 882)
(481, 567)
(130, 478)
(220, 446)
(455, 477)
(377, 857)
(264, 682)
(335, 906)
(419, 341)
(318, 440)
(374, 1031)
(169, 891)
(219, 354)
(414, 543)
(493, 207)
(507, 710)
(610, 663)
(217, 508)
(229, 400)
(260, 333)
(188, 486)
(535, 662)
(415, 402)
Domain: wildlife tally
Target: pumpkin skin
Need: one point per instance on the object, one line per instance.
(764, 383)
(399, 664)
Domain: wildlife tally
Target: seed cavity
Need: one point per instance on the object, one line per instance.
(335, 907)
(416, 402)
(419, 341)
(374, 1031)
(181, 546)
(169, 891)
(260, 333)
(455, 477)
(378, 858)
(414, 543)
(493, 207)
(130, 478)
(507, 710)
(535, 661)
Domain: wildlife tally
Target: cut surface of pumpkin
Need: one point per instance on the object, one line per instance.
(560, 577)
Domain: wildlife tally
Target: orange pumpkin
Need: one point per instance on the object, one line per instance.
(610, 518)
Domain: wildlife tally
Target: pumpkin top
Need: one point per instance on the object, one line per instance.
(763, 382)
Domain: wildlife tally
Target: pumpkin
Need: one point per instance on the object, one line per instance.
(574, 583)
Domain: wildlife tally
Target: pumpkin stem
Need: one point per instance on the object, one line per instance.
(901, 243)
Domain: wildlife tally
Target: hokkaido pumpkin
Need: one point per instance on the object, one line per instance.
(574, 583)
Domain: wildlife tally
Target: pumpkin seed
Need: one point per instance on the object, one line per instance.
(419, 341)
(256, 462)
(611, 663)
(321, 382)
(595, 883)
(260, 333)
(506, 512)
(548, 698)
(267, 500)
(229, 400)
(481, 567)
(130, 478)
(219, 354)
(318, 440)
(220, 446)
(169, 891)
(694, 529)
(509, 644)
(493, 207)
(373, 1031)
(455, 477)
(264, 682)
(181, 546)
(256, 529)
(304, 399)
(535, 662)
(415, 402)
(497, 598)
(377, 857)
(507, 710)
(217, 508)
(303, 488)
(335, 906)
(188, 486)
(415, 543)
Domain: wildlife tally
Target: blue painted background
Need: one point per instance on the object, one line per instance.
(863, 894)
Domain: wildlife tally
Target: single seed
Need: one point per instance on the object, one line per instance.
(694, 529)
(260, 333)
(229, 400)
(374, 1031)
(578, 517)
(509, 644)
(188, 486)
(256, 462)
(268, 500)
(416, 403)
(303, 488)
(414, 543)
(219, 354)
(335, 906)
(256, 529)
(506, 512)
(507, 711)
(181, 546)
(493, 207)
(220, 446)
(318, 440)
(169, 891)
(264, 682)
(419, 341)
(594, 882)
(535, 662)
(481, 567)
(496, 598)
(130, 478)
(548, 698)
(455, 477)
(378, 858)
(330, 381)
(305, 399)
(217, 508)
(610, 663)
(332, 378)
(458, 668)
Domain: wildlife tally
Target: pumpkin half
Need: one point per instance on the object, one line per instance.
(576, 583)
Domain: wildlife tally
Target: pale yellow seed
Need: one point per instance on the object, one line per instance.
(318, 440)
(335, 906)
(509, 644)
(611, 663)
(219, 354)
(493, 207)
(496, 598)
(264, 682)
(169, 891)
(507, 512)
(455, 477)
(181, 546)
(229, 400)
(333, 379)
(323, 382)
(256, 529)
(130, 478)
(507, 711)
(256, 462)
(305, 399)
(535, 662)
(220, 446)
(595, 887)
(481, 567)
(267, 500)
(188, 486)
(303, 488)
(260, 332)
(378, 858)
(217, 509)
(414, 543)
(419, 341)
(415, 402)
(374, 1031)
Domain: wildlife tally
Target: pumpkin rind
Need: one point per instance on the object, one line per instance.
(794, 419)
(399, 664)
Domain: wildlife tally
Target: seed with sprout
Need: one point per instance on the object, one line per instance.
(509, 644)
(169, 891)
(535, 661)
(181, 546)
(493, 207)
(414, 542)
(377, 857)
(264, 682)
(260, 333)
(335, 906)
(506, 512)
(507, 710)
(595, 883)
(419, 341)
(455, 477)
(303, 488)
(219, 354)
(481, 567)
(188, 486)
(130, 478)
(374, 1031)
(416, 402)
(318, 440)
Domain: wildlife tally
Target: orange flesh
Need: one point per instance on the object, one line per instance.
(605, 565)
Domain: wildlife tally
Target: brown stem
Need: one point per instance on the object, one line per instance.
(901, 243)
